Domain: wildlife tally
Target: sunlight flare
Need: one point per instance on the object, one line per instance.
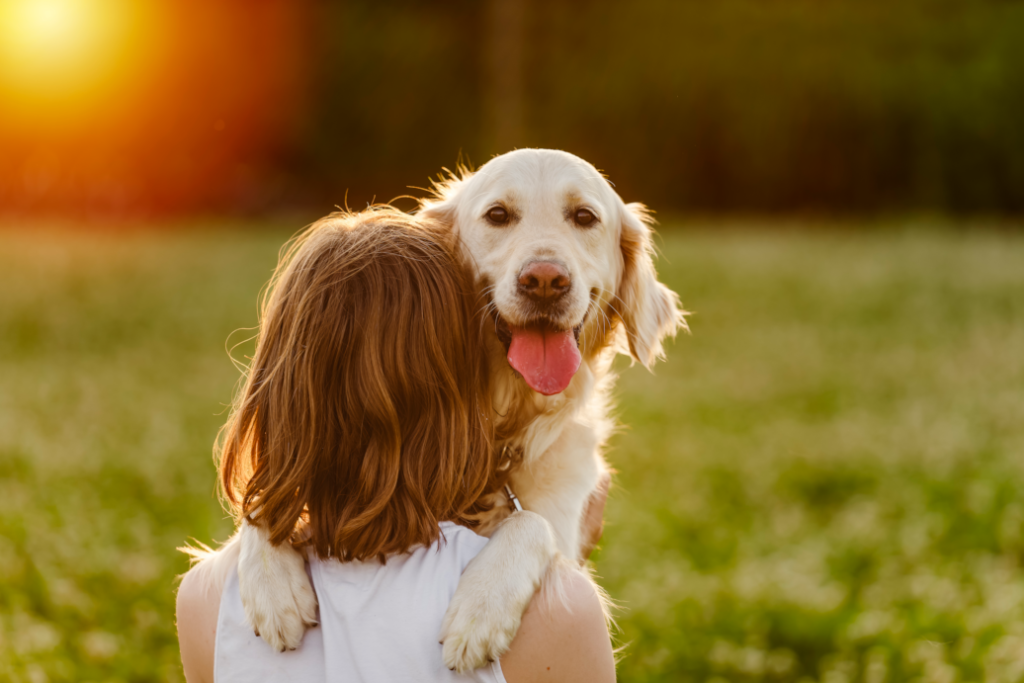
(58, 51)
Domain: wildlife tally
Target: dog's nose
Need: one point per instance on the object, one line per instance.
(544, 281)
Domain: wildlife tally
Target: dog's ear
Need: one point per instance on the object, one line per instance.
(649, 310)
(439, 210)
(441, 205)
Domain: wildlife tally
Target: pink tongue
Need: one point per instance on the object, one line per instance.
(546, 359)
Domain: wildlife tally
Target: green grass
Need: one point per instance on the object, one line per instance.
(822, 483)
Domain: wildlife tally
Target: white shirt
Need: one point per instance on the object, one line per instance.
(379, 623)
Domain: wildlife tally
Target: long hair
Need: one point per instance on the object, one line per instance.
(365, 412)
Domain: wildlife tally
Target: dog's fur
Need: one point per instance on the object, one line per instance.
(615, 303)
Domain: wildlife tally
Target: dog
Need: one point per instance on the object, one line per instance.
(566, 271)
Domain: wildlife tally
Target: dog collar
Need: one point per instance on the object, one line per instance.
(512, 499)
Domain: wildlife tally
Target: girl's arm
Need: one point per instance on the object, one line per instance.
(198, 606)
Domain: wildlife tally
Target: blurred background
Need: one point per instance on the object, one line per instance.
(823, 483)
(118, 107)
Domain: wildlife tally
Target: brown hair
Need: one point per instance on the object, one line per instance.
(365, 411)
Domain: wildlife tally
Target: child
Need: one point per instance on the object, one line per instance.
(365, 416)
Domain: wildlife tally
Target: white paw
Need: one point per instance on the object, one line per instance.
(477, 629)
(277, 597)
(494, 591)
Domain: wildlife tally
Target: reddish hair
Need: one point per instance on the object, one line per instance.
(365, 411)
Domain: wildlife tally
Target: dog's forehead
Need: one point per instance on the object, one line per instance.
(541, 182)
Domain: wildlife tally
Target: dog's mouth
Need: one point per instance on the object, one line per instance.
(545, 354)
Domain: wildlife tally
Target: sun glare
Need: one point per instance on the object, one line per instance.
(59, 51)
(50, 23)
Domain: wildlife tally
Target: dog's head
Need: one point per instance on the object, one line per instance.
(560, 258)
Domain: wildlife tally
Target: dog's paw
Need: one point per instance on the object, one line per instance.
(277, 597)
(281, 617)
(494, 591)
(476, 629)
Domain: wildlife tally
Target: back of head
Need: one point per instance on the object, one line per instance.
(365, 411)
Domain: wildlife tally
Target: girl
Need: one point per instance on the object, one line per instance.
(365, 416)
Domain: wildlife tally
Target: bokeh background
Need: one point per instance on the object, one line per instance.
(822, 483)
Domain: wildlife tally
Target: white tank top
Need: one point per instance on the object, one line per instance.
(379, 623)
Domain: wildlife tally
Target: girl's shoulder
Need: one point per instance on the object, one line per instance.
(198, 606)
(563, 635)
(460, 536)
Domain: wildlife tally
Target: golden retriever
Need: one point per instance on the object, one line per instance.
(566, 270)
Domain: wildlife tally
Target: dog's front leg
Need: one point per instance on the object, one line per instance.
(494, 591)
(558, 484)
(277, 597)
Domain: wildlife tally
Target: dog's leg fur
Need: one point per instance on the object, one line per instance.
(507, 572)
(278, 599)
(558, 484)
(499, 583)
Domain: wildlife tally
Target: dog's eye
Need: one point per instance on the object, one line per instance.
(584, 217)
(498, 215)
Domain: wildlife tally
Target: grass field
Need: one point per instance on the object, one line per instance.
(823, 483)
